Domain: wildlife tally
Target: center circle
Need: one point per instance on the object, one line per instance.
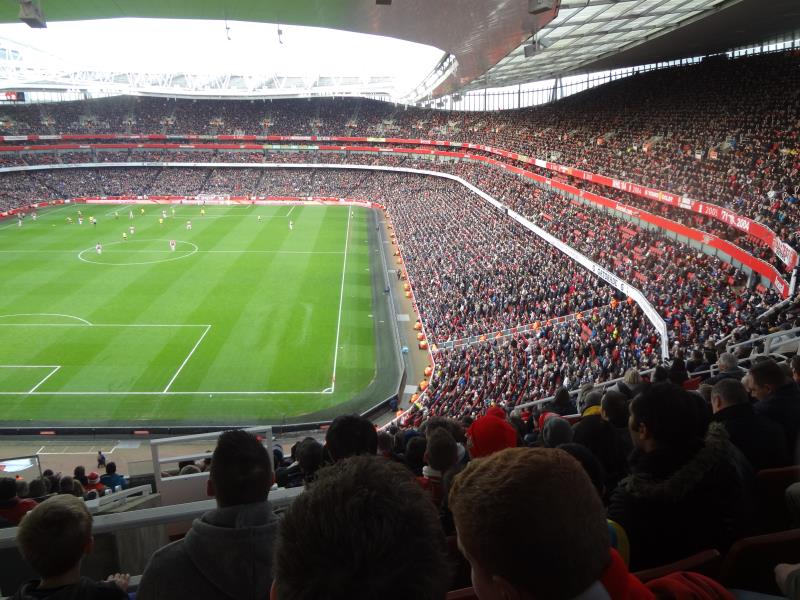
(138, 249)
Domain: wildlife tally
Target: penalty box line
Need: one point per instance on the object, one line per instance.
(173, 393)
(53, 370)
(165, 392)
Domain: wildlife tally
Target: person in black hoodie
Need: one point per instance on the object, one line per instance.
(685, 493)
(761, 440)
(53, 538)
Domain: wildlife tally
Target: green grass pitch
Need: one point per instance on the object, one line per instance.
(245, 321)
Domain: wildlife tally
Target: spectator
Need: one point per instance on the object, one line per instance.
(12, 507)
(488, 435)
(600, 437)
(79, 474)
(310, 456)
(364, 530)
(441, 455)
(631, 383)
(38, 489)
(562, 552)
(795, 364)
(777, 398)
(761, 440)
(228, 551)
(590, 464)
(614, 409)
(53, 538)
(414, 457)
(386, 445)
(112, 479)
(556, 431)
(66, 485)
(728, 368)
(562, 403)
(351, 435)
(94, 484)
(684, 493)
(698, 363)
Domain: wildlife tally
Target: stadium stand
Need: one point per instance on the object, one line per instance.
(517, 330)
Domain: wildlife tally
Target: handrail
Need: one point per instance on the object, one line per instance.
(117, 497)
(769, 336)
(772, 310)
(160, 515)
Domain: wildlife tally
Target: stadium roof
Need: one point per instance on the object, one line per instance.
(481, 42)
(591, 35)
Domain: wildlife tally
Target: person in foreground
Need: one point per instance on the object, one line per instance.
(228, 551)
(686, 491)
(364, 530)
(563, 551)
(53, 538)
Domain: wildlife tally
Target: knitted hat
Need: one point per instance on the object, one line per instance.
(496, 411)
(556, 431)
(488, 435)
(93, 477)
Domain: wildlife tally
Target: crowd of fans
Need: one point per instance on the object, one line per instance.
(484, 273)
(721, 131)
(648, 475)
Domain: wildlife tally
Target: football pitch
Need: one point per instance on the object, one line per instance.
(244, 321)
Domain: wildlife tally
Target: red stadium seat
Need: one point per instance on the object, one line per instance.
(463, 594)
(771, 487)
(750, 563)
(707, 563)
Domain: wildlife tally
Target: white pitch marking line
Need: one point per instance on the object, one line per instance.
(108, 251)
(97, 325)
(341, 298)
(46, 315)
(27, 366)
(243, 393)
(185, 360)
(39, 451)
(48, 376)
(291, 209)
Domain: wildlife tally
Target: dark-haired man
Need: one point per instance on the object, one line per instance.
(351, 435)
(364, 530)
(777, 397)
(228, 551)
(761, 440)
(685, 493)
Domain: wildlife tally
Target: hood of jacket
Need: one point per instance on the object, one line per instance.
(659, 475)
(232, 547)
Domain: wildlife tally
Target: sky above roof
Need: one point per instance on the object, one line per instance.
(217, 47)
